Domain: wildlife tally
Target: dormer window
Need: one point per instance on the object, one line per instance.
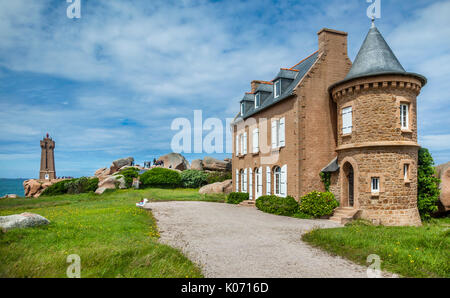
(277, 89)
(257, 100)
(242, 109)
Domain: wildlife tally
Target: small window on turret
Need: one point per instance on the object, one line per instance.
(242, 109)
(404, 116)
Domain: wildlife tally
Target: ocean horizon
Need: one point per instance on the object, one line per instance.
(12, 186)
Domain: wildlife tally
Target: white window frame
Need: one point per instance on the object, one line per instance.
(277, 181)
(241, 137)
(268, 181)
(237, 145)
(242, 109)
(237, 180)
(375, 184)
(404, 115)
(277, 89)
(258, 182)
(250, 184)
(406, 171)
(257, 100)
(347, 120)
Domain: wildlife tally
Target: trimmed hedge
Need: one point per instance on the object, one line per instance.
(129, 174)
(72, 186)
(161, 177)
(237, 197)
(318, 204)
(277, 205)
(193, 178)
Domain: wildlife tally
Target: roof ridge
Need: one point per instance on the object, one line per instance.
(303, 60)
(289, 69)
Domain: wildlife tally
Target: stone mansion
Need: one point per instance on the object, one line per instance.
(356, 122)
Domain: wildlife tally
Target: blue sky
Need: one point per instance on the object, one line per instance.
(108, 85)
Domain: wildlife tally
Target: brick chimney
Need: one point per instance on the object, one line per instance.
(255, 85)
(332, 41)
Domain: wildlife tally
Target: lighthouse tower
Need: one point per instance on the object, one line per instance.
(377, 135)
(47, 171)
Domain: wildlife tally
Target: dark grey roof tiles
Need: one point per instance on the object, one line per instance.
(265, 88)
(302, 67)
(374, 57)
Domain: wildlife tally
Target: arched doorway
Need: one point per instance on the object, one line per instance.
(348, 199)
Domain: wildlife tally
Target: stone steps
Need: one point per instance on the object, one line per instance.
(248, 203)
(344, 215)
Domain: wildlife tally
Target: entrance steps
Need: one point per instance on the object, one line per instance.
(344, 215)
(248, 203)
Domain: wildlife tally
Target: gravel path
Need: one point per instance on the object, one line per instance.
(235, 241)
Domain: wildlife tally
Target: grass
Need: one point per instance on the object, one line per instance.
(408, 251)
(112, 236)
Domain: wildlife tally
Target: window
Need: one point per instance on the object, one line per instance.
(406, 172)
(375, 185)
(237, 145)
(404, 116)
(258, 182)
(277, 89)
(242, 109)
(257, 100)
(277, 180)
(237, 180)
(255, 140)
(241, 137)
(347, 121)
(278, 133)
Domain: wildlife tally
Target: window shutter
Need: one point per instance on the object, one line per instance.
(274, 134)
(260, 183)
(347, 124)
(268, 186)
(255, 140)
(250, 184)
(283, 181)
(237, 180)
(245, 143)
(237, 145)
(281, 133)
(242, 144)
(245, 180)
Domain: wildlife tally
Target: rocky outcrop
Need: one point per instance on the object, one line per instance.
(212, 164)
(24, 220)
(174, 161)
(113, 182)
(197, 165)
(10, 196)
(443, 173)
(225, 187)
(33, 188)
(117, 164)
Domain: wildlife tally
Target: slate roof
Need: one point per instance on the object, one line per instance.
(376, 58)
(296, 73)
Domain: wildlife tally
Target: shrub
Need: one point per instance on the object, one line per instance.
(161, 177)
(82, 185)
(277, 205)
(59, 188)
(129, 174)
(237, 197)
(214, 177)
(193, 178)
(72, 186)
(427, 185)
(318, 204)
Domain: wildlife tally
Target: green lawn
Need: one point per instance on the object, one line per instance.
(112, 236)
(408, 251)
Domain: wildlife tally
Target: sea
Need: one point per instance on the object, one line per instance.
(11, 186)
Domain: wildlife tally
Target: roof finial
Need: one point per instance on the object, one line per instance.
(373, 22)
